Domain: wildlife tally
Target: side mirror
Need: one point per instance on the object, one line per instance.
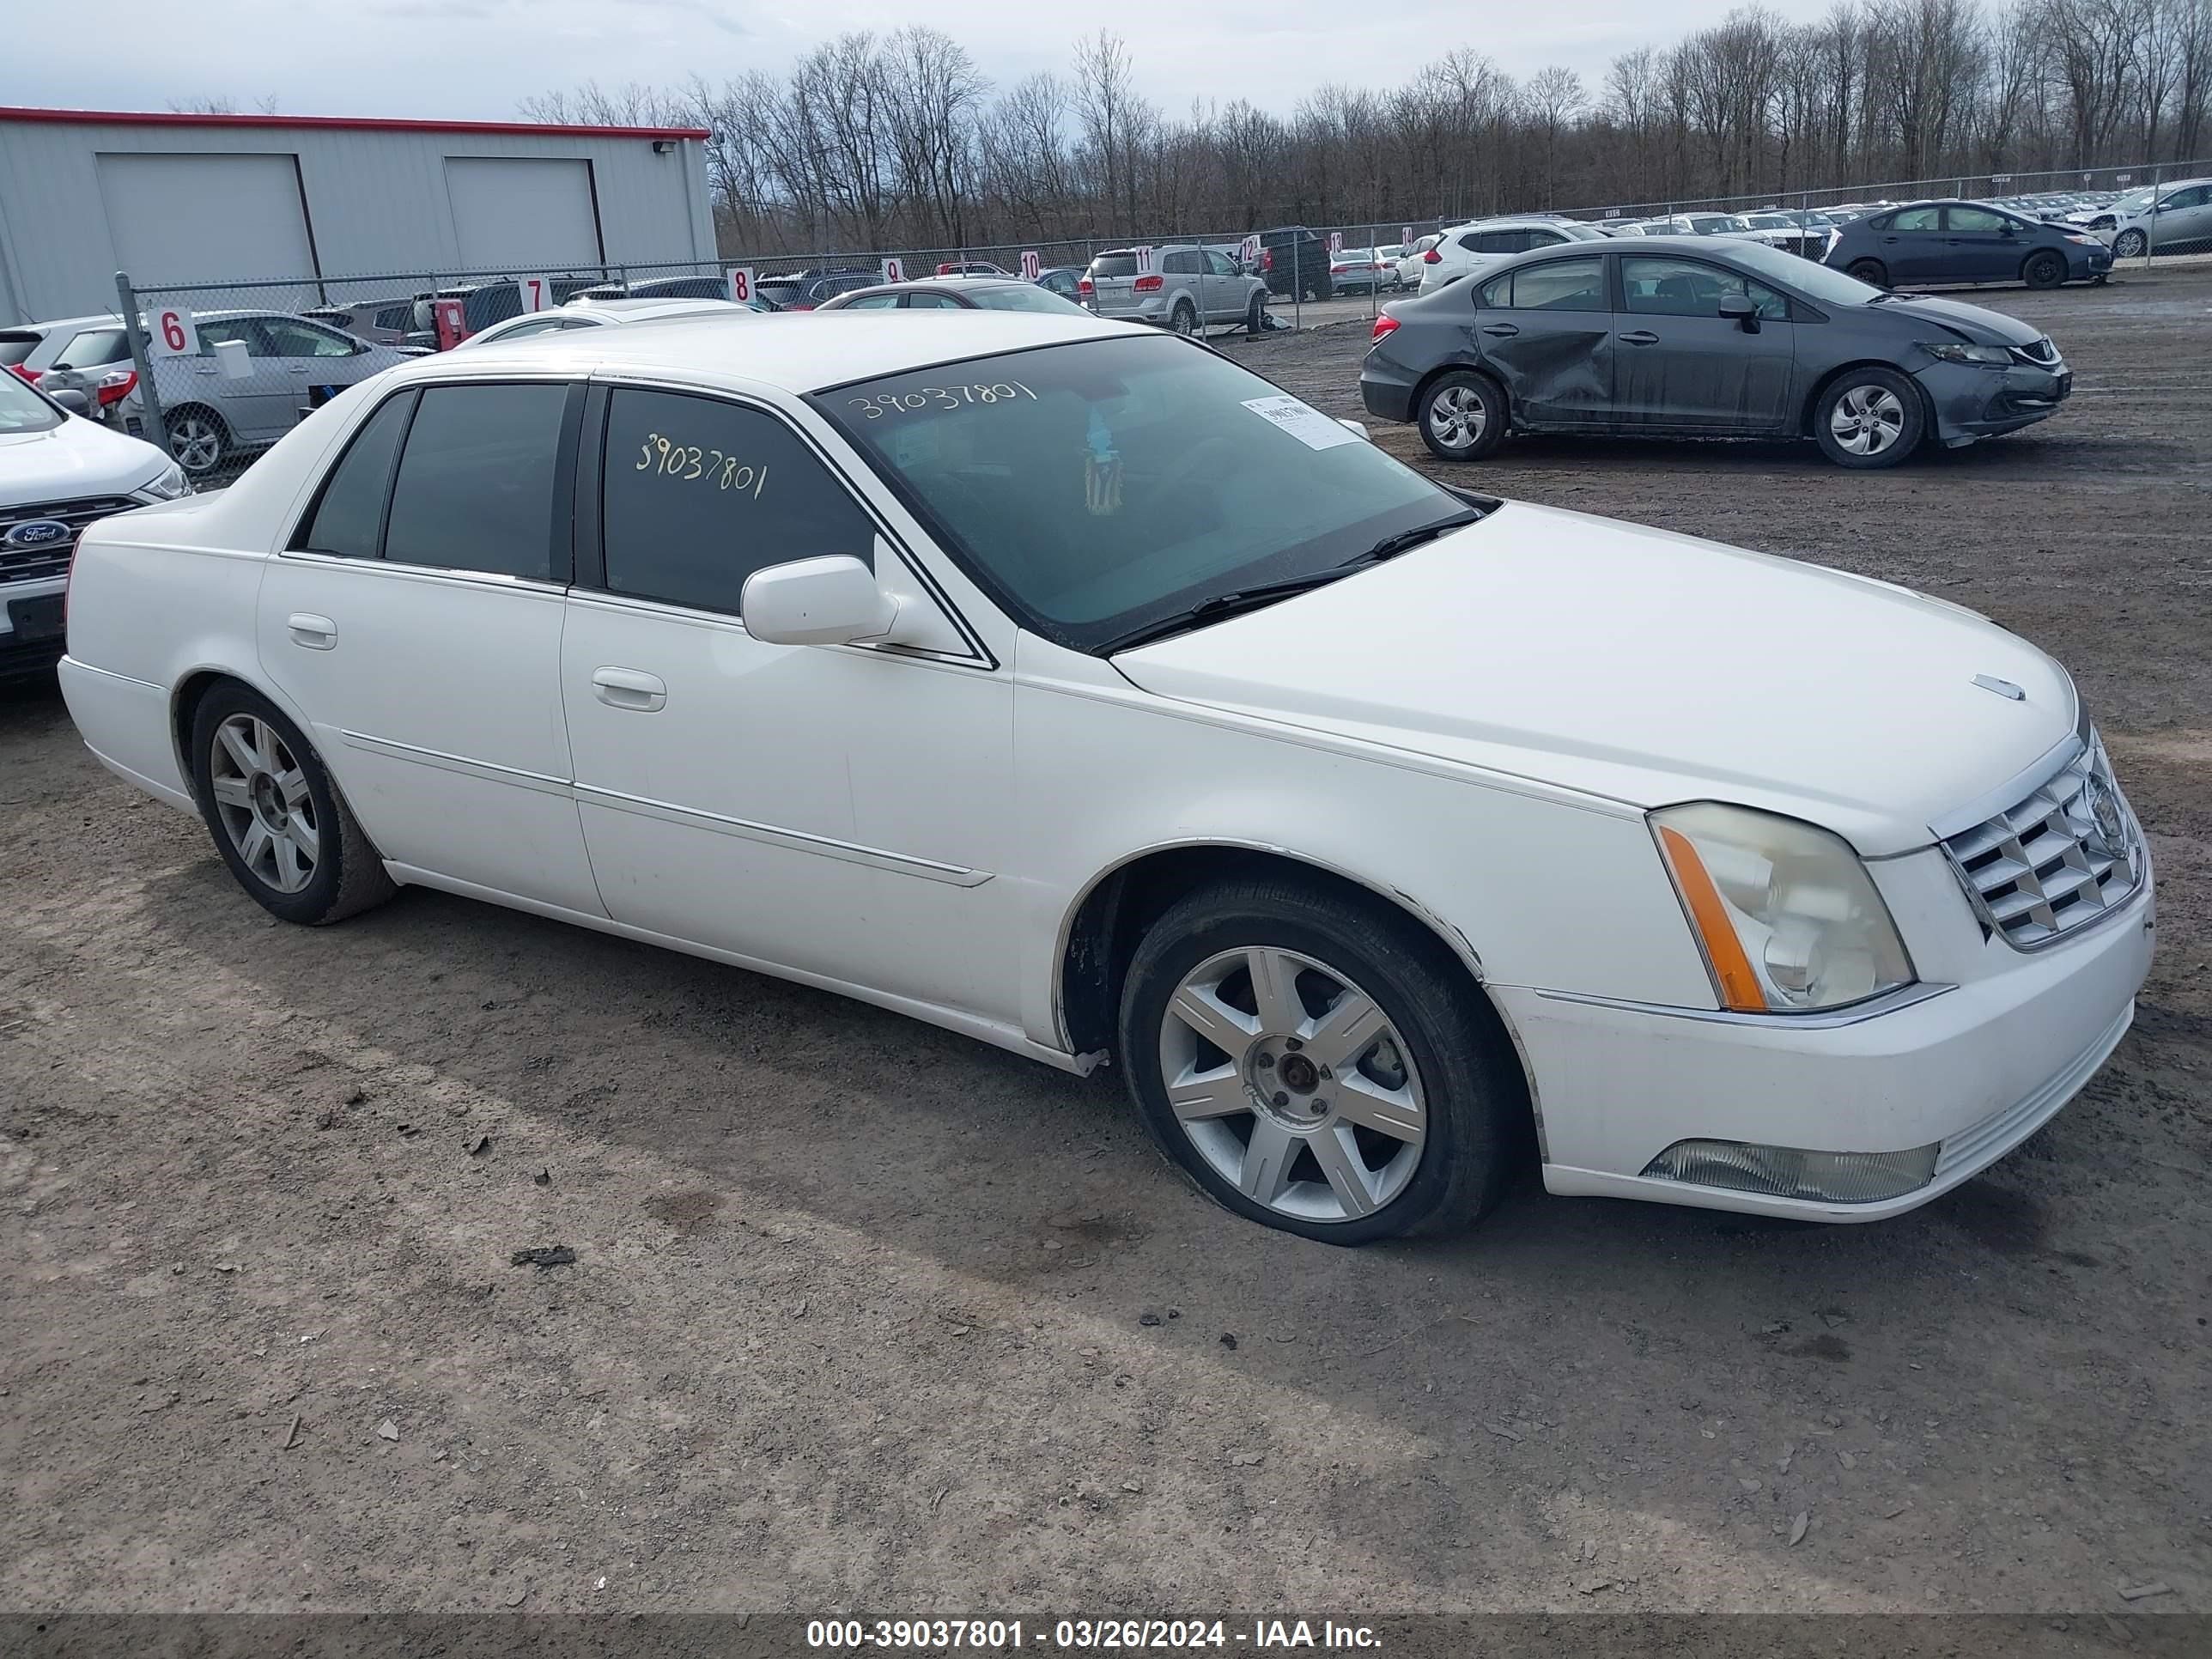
(832, 600)
(1740, 311)
(75, 402)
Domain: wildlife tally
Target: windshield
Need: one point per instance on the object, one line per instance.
(23, 409)
(1575, 230)
(1813, 281)
(2134, 202)
(1026, 297)
(1101, 485)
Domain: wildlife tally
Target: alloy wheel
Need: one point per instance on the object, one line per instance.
(196, 443)
(261, 795)
(1458, 417)
(1867, 420)
(1292, 1084)
(2130, 245)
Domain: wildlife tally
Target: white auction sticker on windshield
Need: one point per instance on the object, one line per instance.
(1307, 424)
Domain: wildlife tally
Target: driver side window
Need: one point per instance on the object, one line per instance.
(1686, 288)
(1920, 218)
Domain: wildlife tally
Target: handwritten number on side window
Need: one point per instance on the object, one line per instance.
(687, 462)
(940, 396)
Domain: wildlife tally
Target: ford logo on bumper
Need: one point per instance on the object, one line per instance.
(36, 532)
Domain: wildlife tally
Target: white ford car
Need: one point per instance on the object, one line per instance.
(1080, 692)
(60, 472)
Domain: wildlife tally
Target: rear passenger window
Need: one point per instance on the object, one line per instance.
(699, 494)
(476, 482)
(349, 520)
(1561, 285)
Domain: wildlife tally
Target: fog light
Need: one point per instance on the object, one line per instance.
(1792, 1172)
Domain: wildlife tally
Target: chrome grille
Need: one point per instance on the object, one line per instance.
(2069, 854)
(19, 564)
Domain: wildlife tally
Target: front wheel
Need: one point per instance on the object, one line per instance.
(1314, 1063)
(2044, 269)
(2131, 245)
(276, 816)
(1463, 416)
(1255, 314)
(1868, 418)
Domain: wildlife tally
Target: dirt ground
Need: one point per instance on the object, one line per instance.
(866, 1317)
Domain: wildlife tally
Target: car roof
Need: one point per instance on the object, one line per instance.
(625, 310)
(792, 354)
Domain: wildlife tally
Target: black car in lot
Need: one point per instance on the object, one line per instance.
(1695, 337)
(1294, 262)
(1928, 242)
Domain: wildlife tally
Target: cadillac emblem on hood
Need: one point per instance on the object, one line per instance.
(2003, 688)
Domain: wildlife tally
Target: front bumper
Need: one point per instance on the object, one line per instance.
(1972, 401)
(1977, 1068)
(31, 624)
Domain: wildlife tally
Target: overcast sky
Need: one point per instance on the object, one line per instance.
(474, 59)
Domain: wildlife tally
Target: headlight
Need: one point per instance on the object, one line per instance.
(1951, 352)
(171, 485)
(2086, 241)
(1788, 919)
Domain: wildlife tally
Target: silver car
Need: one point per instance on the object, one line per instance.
(2173, 218)
(290, 364)
(1187, 290)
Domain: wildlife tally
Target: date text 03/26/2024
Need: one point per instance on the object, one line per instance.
(1006, 1635)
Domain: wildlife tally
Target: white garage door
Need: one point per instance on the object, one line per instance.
(518, 214)
(206, 218)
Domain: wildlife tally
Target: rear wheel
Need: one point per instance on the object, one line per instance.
(1312, 1062)
(2131, 245)
(1869, 418)
(198, 439)
(1185, 320)
(1871, 270)
(1461, 416)
(276, 816)
(2043, 268)
(1255, 314)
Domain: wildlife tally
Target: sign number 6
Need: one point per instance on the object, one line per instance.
(173, 335)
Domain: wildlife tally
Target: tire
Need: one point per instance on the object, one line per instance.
(1869, 418)
(252, 771)
(2131, 245)
(1869, 270)
(1185, 318)
(199, 439)
(1461, 416)
(1427, 1064)
(1255, 314)
(2043, 268)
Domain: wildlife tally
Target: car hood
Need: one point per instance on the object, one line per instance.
(1645, 667)
(72, 460)
(1976, 325)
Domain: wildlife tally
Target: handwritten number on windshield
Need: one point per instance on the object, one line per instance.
(940, 396)
(687, 462)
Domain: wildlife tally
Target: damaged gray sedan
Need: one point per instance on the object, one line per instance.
(1686, 337)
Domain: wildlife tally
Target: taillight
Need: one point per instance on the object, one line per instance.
(1267, 258)
(1432, 258)
(1384, 325)
(30, 376)
(1338, 270)
(1083, 286)
(114, 388)
(1150, 284)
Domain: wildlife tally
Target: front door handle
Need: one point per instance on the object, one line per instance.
(1502, 331)
(1638, 337)
(627, 687)
(316, 633)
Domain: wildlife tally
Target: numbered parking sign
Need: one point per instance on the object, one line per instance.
(1336, 241)
(1032, 265)
(537, 293)
(741, 284)
(1145, 261)
(894, 270)
(170, 333)
(1405, 235)
(1250, 252)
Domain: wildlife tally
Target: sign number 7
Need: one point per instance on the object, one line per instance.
(537, 293)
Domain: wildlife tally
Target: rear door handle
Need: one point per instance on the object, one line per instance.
(627, 687)
(316, 633)
(1502, 331)
(1638, 337)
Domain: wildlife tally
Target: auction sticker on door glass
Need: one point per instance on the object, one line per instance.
(1307, 424)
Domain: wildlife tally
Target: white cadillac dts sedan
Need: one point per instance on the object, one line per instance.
(1080, 692)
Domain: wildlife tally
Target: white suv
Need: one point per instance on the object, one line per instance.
(58, 474)
(1465, 249)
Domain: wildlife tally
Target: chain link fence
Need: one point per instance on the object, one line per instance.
(218, 372)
